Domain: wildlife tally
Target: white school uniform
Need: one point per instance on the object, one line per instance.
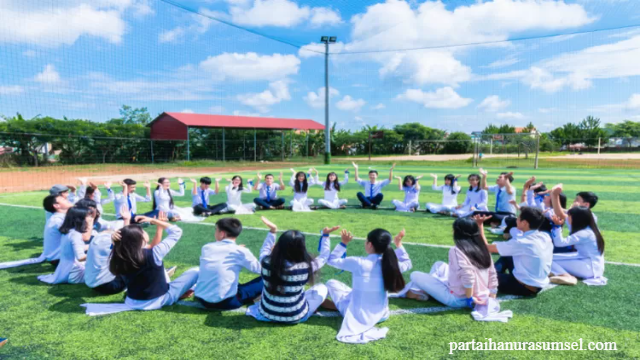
(371, 190)
(234, 200)
(220, 266)
(331, 199)
(367, 303)
(532, 254)
(273, 191)
(163, 203)
(70, 269)
(97, 197)
(586, 263)
(300, 201)
(595, 219)
(200, 194)
(474, 201)
(503, 199)
(72, 199)
(411, 195)
(96, 268)
(129, 200)
(449, 200)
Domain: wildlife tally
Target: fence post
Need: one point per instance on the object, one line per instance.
(223, 146)
(188, 149)
(491, 146)
(599, 139)
(291, 143)
(307, 144)
(152, 151)
(282, 145)
(535, 165)
(255, 150)
(410, 152)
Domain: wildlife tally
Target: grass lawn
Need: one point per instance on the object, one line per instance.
(47, 321)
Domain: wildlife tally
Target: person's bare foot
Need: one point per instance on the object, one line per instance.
(187, 294)
(272, 208)
(564, 279)
(417, 295)
(343, 206)
(329, 305)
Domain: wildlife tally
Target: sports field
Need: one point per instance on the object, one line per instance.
(47, 321)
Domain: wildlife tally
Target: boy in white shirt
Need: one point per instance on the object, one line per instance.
(372, 196)
(268, 198)
(129, 198)
(527, 257)
(200, 194)
(505, 194)
(67, 192)
(220, 265)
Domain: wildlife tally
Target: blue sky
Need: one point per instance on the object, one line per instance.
(84, 59)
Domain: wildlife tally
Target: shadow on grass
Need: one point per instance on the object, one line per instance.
(36, 269)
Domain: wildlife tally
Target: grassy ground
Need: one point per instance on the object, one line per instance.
(47, 321)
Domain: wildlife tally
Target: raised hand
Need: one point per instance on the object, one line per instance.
(272, 227)
(482, 172)
(419, 177)
(125, 213)
(433, 176)
(180, 181)
(82, 181)
(292, 170)
(354, 164)
(393, 166)
(397, 240)
(329, 230)
(107, 184)
(346, 237)
(280, 177)
(259, 176)
(480, 219)
(194, 181)
(399, 178)
(162, 216)
(147, 184)
(530, 181)
(556, 220)
(143, 219)
(116, 236)
(536, 186)
(557, 189)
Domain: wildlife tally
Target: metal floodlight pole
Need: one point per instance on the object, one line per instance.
(537, 151)
(327, 131)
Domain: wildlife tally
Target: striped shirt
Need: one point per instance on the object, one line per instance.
(289, 305)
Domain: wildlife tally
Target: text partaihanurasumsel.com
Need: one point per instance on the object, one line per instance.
(490, 345)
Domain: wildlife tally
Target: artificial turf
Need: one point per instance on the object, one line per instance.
(47, 321)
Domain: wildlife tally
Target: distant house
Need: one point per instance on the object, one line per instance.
(520, 130)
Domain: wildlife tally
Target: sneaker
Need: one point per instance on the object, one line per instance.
(563, 280)
(187, 295)
(171, 271)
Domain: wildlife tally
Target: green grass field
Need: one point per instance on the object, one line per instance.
(47, 321)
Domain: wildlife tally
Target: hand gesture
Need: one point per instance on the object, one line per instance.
(143, 219)
(433, 176)
(72, 188)
(397, 240)
(125, 213)
(419, 177)
(272, 227)
(280, 177)
(292, 170)
(162, 216)
(458, 176)
(508, 175)
(346, 237)
(557, 189)
(82, 181)
(536, 186)
(398, 177)
(329, 230)
(194, 181)
(93, 185)
(218, 180)
(480, 219)
(125, 188)
(393, 166)
(116, 236)
(180, 181)
(147, 185)
(530, 181)
(482, 172)
(354, 164)
(556, 220)
(259, 176)
(107, 184)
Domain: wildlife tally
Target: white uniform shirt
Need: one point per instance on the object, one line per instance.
(368, 303)
(273, 191)
(122, 199)
(197, 199)
(96, 271)
(532, 254)
(234, 196)
(371, 190)
(163, 200)
(448, 199)
(595, 219)
(331, 195)
(52, 236)
(503, 198)
(72, 199)
(586, 244)
(298, 196)
(220, 265)
(477, 200)
(411, 194)
(70, 269)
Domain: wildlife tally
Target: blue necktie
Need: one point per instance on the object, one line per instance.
(130, 206)
(268, 193)
(371, 191)
(204, 202)
(498, 198)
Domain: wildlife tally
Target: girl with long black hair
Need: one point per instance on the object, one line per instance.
(411, 190)
(163, 201)
(286, 268)
(468, 278)
(373, 277)
(587, 262)
(331, 189)
(300, 183)
(476, 199)
(450, 191)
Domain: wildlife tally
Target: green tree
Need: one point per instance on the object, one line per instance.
(129, 115)
(457, 143)
(627, 130)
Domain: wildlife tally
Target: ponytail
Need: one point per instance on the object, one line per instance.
(391, 275)
(581, 218)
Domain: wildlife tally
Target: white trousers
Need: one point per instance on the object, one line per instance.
(332, 204)
(464, 211)
(571, 263)
(405, 207)
(438, 289)
(177, 288)
(436, 208)
(315, 296)
(301, 205)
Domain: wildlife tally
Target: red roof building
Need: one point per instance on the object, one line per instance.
(174, 126)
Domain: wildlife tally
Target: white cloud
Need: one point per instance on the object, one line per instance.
(11, 89)
(49, 75)
(172, 35)
(380, 106)
(443, 98)
(502, 63)
(493, 103)
(324, 17)
(426, 67)
(280, 13)
(634, 102)
(510, 115)
(317, 99)
(250, 66)
(277, 92)
(350, 104)
(56, 25)
(318, 49)
(187, 111)
(199, 25)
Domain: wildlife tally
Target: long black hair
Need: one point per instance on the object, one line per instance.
(300, 187)
(160, 181)
(391, 275)
(466, 235)
(581, 218)
(127, 256)
(452, 179)
(239, 186)
(290, 250)
(89, 204)
(336, 183)
(76, 219)
(410, 178)
(477, 178)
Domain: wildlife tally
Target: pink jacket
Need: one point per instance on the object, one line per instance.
(463, 274)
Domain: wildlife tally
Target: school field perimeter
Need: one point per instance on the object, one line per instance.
(43, 321)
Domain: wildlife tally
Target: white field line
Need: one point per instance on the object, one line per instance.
(311, 234)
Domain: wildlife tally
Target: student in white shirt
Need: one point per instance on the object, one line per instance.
(373, 277)
(163, 199)
(92, 192)
(67, 192)
(450, 191)
(476, 199)
(201, 194)
(300, 183)
(286, 268)
(527, 257)
(220, 266)
(331, 189)
(234, 204)
(505, 195)
(268, 198)
(584, 198)
(587, 262)
(411, 190)
(129, 197)
(76, 233)
(372, 196)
